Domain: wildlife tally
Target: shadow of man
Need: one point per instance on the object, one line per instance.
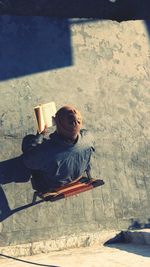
(12, 170)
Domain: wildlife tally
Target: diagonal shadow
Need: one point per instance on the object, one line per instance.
(121, 242)
(12, 170)
(5, 210)
(132, 248)
(4, 206)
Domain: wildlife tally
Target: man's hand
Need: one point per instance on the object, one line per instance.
(44, 132)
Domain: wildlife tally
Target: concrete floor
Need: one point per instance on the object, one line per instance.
(118, 255)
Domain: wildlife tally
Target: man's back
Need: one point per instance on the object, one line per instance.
(57, 162)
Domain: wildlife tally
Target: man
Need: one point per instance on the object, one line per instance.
(64, 156)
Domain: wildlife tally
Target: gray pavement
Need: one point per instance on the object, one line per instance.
(116, 255)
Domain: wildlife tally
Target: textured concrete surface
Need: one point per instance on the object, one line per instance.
(120, 255)
(104, 70)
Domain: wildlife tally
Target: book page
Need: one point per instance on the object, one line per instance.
(39, 118)
(49, 111)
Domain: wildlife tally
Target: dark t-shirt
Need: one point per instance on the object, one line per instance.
(57, 161)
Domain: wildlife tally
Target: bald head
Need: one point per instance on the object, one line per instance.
(68, 122)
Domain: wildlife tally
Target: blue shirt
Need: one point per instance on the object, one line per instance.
(57, 161)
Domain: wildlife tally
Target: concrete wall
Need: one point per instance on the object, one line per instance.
(103, 68)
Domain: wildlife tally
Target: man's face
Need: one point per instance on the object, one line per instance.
(69, 122)
(73, 120)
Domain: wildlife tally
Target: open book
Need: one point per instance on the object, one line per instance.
(44, 115)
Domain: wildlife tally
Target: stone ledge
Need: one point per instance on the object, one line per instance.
(63, 243)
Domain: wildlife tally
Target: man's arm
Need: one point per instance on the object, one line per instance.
(33, 151)
(31, 141)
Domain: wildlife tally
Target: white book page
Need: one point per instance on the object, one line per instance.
(49, 111)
